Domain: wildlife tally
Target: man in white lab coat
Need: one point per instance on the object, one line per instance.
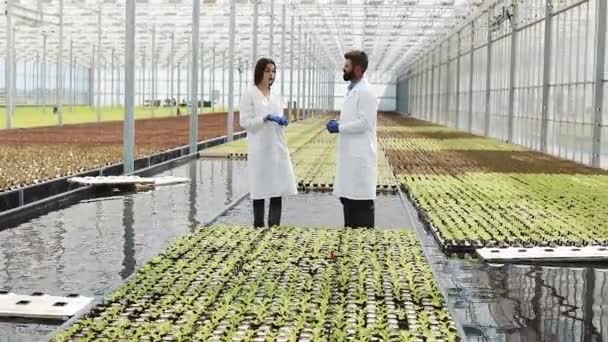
(357, 163)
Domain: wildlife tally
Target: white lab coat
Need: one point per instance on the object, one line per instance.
(268, 163)
(357, 160)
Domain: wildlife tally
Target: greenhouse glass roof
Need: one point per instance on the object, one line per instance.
(392, 32)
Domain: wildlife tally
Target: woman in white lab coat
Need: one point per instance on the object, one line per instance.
(268, 162)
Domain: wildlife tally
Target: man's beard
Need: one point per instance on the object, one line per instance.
(348, 76)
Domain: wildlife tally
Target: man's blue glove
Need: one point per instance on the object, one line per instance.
(333, 126)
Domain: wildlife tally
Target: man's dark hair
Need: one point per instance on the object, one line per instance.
(357, 57)
(259, 69)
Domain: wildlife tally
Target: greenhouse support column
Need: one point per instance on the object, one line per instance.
(25, 92)
(231, 34)
(14, 74)
(179, 83)
(598, 96)
(98, 64)
(290, 107)
(168, 83)
(315, 82)
(118, 93)
(223, 80)
(457, 99)
(172, 74)
(322, 90)
(91, 81)
(143, 80)
(317, 85)
(112, 79)
(271, 29)
(512, 64)
(446, 102)
(427, 86)
(105, 81)
(60, 77)
(471, 77)
(254, 50)
(72, 100)
(320, 86)
(37, 82)
(188, 77)
(213, 81)
(304, 72)
(325, 90)
(432, 102)
(196, 15)
(298, 106)
(152, 77)
(129, 124)
(8, 70)
(154, 70)
(546, 75)
(283, 26)
(202, 81)
(486, 127)
(310, 78)
(438, 99)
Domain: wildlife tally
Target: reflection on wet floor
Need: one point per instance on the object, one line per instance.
(92, 246)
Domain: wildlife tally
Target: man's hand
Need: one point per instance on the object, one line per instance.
(333, 126)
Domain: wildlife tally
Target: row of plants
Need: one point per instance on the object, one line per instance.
(315, 165)
(33, 164)
(390, 140)
(280, 284)
(491, 210)
(480, 194)
(313, 154)
(34, 155)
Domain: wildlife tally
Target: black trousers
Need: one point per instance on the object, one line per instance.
(358, 213)
(274, 212)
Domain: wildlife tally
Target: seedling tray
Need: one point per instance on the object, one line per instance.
(239, 283)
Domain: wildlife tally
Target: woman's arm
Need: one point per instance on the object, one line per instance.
(248, 118)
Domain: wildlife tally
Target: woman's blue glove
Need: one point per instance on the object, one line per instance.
(333, 126)
(281, 121)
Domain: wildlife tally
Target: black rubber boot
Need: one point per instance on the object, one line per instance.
(258, 213)
(347, 212)
(274, 212)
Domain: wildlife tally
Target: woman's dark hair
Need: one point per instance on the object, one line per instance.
(357, 58)
(259, 69)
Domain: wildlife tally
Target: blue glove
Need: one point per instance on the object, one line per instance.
(281, 121)
(333, 126)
